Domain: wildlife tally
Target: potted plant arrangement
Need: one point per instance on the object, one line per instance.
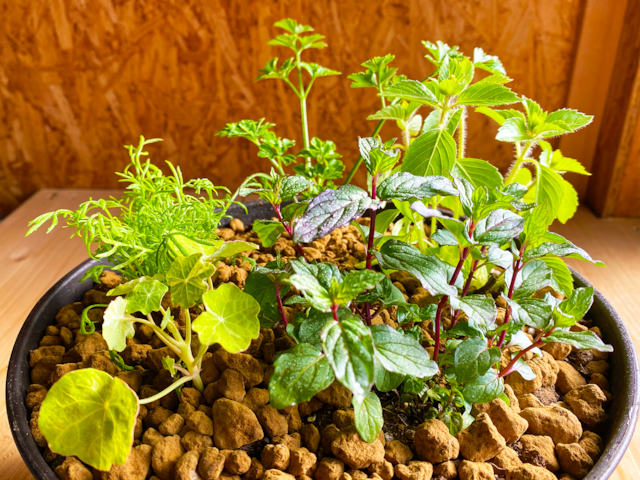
(424, 327)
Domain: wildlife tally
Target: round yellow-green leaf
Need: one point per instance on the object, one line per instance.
(230, 318)
(90, 414)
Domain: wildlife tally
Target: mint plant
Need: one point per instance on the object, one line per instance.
(498, 288)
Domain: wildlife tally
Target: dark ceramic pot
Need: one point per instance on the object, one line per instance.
(624, 377)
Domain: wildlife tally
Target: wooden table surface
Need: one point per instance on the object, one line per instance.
(29, 266)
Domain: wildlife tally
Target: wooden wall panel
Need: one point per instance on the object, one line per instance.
(81, 78)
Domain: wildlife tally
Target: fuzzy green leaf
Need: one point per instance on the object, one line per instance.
(230, 318)
(390, 112)
(298, 375)
(404, 186)
(569, 204)
(90, 415)
(118, 324)
(479, 173)
(536, 224)
(368, 417)
(432, 153)
(561, 274)
(487, 94)
(349, 348)
(413, 91)
(572, 118)
(187, 279)
(513, 129)
(500, 115)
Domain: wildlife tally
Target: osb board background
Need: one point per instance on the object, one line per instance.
(81, 78)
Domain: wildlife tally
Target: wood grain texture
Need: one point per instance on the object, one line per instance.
(30, 266)
(80, 79)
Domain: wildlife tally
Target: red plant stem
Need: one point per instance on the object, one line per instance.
(297, 246)
(467, 285)
(537, 342)
(517, 266)
(334, 311)
(372, 230)
(280, 306)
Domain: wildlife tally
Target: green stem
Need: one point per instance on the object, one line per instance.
(521, 155)
(384, 104)
(169, 389)
(462, 133)
(303, 108)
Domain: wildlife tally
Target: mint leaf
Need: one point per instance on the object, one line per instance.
(292, 186)
(263, 290)
(413, 91)
(298, 375)
(399, 353)
(483, 389)
(578, 304)
(498, 228)
(268, 231)
(390, 112)
(565, 249)
(563, 280)
(404, 186)
(569, 204)
(432, 153)
(513, 129)
(536, 224)
(479, 173)
(530, 311)
(230, 318)
(473, 359)
(118, 324)
(187, 278)
(332, 209)
(429, 270)
(349, 349)
(480, 310)
(533, 277)
(146, 297)
(368, 417)
(386, 381)
(313, 291)
(500, 258)
(308, 326)
(581, 340)
(90, 415)
(376, 158)
(356, 282)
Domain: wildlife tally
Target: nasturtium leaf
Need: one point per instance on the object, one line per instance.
(498, 228)
(428, 269)
(292, 186)
(483, 389)
(479, 173)
(386, 381)
(187, 278)
(263, 290)
(89, 414)
(118, 324)
(349, 348)
(231, 248)
(404, 186)
(332, 209)
(400, 353)
(564, 249)
(533, 277)
(581, 340)
(298, 375)
(368, 417)
(480, 309)
(230, 318)
(268, 231)
(487, 94)
(146, 297)
(432, 153)
(473, 359)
